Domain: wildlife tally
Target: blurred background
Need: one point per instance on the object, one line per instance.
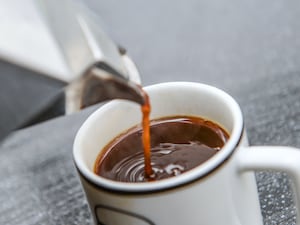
(219, 43)
(251, 49)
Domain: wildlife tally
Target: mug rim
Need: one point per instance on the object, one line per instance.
(185, 178)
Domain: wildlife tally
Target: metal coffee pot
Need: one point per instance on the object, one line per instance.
(99, 69)
(95, 69)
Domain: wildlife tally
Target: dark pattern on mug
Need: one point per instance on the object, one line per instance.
(106, 215)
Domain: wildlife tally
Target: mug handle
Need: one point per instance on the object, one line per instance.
(286, 159)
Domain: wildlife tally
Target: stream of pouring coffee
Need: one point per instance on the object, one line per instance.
(146, 109)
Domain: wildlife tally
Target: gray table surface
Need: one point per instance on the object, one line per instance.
(251, 49)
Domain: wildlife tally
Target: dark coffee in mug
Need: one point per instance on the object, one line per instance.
(177, 145)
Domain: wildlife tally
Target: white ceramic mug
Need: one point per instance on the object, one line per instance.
(220, 191)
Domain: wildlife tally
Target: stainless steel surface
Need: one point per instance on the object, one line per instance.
(80, 37)
(98, 85)
(78, 48)
(248, 48)
(26, 41)
(98, 69)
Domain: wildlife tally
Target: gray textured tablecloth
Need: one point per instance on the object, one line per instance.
(250, 49)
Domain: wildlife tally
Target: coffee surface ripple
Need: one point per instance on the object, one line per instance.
(177, 145)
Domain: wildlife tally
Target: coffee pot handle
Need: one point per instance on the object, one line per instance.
(286, 159)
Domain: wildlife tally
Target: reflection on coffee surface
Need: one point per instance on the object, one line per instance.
(178, 144)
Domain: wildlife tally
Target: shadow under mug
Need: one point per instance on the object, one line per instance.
(222, 190)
